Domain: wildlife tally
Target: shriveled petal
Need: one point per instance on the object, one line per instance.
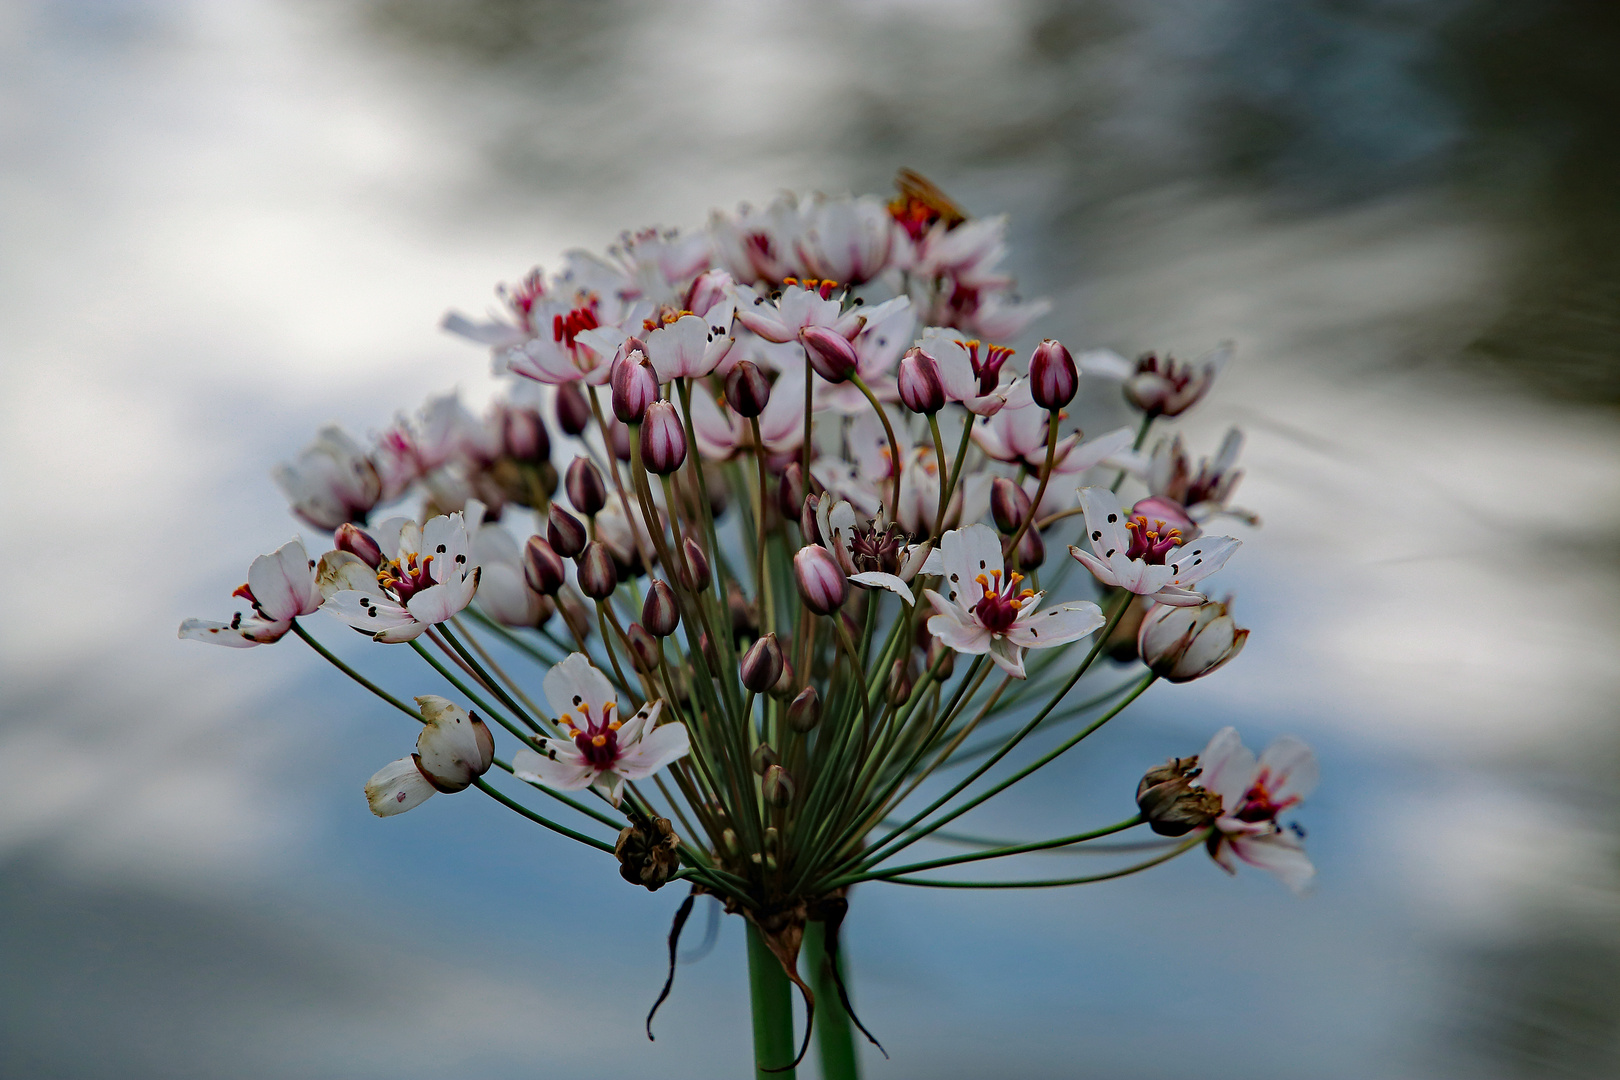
(452, 747)
(575, 682)
(876, 579)
(1057, 625)
(397, 787)
(1009, 657)
(1229, 767)
(656, 749)
(560, 767)
(1278, 853)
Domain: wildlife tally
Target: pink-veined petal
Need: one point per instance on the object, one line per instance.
(283, 583)
(1200, 558)
(1290, 768)
(561, 767)
(1099, 569)
(657, 748)
(575, 683)
(1278, 853)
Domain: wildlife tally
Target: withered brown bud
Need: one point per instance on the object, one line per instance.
(643, 645)
(805, 712)
(1169, 802)
(763, 758)
(698, 579)
(762, 664)
(598, 577)
(790, 492)
(659, 612)
(747, 389)
(778, 786)
(648, 853)
(585, 487)
(542, 567)
(573, 411)
(565, 532)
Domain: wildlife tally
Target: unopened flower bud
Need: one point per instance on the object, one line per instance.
(829, 352)
(648, 853)
(747, 390)
(1169, 802)
(921, 388)
(1167, 510)
(643, 646)
(1031, 550)
(809, 527)
(542, 567)
(763, 758)
(744, 616)
(706, 647)
(618, 439)
(778, 786)
(454, 747)
(695, 574)
(707, 290)
(790, 492)
(821, 582)
(663, 439)
(762, 664)
(1053, 378)
(598, 577)
(585, 487)
(787, 683)
(660, 614)
(728, 841)
(805, 712)
(573, 411)
(358, 543)
(937, 649)
(523, 435)
(900, 682)
(635, 386)
(1185, 643)
(565, 532)
(1009, 505)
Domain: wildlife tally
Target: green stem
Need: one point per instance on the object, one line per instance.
(771, 995)
(835, 1039)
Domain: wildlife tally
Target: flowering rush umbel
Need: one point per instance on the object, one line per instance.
(743, 579)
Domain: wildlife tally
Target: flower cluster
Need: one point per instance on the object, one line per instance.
(770, 506)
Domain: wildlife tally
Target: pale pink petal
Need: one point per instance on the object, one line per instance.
(368, 612)
(656, 749)
(875, 579)
(1200, 558)
(574, 683)
(439, 603)
(1105, 521)
(217, 633)
(1090, 454)
(563, 771)
(1278, 853)
(1291, 769)
(283, 583)
(1008, 656)
(1101, 570)
(397, 787)
(1229, 767)
(1057, 625)
(642, 720)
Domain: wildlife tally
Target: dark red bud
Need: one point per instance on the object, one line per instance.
(524, 437)
(542, 567)
(829, 352)
(659, 612)
(663, 439)
(921, 388)
(585, 487)
(356, 542)
(762, 665)
(747, 390)
(790, 492)
(565, 532)
(1009, 505)
(634, 386)
(644, 646)
(573, 411)
(698, 578)
(805, 712)
(763, 758)
(1053, 377)
(598, 577)
(778, 786)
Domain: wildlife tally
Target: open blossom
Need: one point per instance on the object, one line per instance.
(453, 749)
(1254, 794)
(878, 346)
(1017, 435)
(972, 372)
(721, 433)
(280, 587)
(1146, 556)
(874, 553)
(846, 239)
(430, 579)
(504, 593)
(600, 750)
(779, 318)
(1168, 388)
(1202, 494)
(759, 244)
(984, 611)
(331, 481)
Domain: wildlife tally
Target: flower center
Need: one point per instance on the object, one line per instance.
(1151, 540)
(874, 550)
(821, 287)
(595, 733)
(1177, 375)
(564, 328)
(405, 578)
(998, 608)
(988, 366)
(1258, 804)
(521, 297)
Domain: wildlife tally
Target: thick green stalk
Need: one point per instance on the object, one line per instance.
(835, 1038)
(771, 995)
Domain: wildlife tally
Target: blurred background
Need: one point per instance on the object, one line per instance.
(228, 222)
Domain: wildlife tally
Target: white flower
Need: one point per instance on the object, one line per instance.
(1017, 435)
(984, 611)
(280, 587)
(971, 372)
(453, 749)
(877, 348)
(331, 482)
(848, 240)
(874, 553)
(798, 306)
(721, 433)
(567, 347)
(690, 346)
(432, 577)
(503, 592)
(758, 245)
(601, 751)
(1145, 556)
(1253, 794)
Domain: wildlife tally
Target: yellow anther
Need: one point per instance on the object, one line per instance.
(600, 740)
(1026, 594)
(982, 580)
(614, 725)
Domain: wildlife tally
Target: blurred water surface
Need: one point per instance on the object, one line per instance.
(228, 223)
